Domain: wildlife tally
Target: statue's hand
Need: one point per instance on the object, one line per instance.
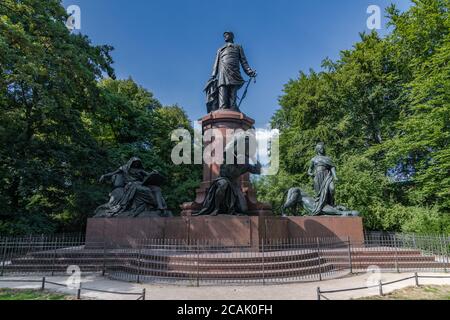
(253, 74)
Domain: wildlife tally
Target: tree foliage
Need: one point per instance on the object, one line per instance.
(62, 125)
(48, 80)
(383, 110)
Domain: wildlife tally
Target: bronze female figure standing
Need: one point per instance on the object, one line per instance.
(323, 170)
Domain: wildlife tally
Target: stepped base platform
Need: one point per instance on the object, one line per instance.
(186, 249)
(167, 263)
(223, 230)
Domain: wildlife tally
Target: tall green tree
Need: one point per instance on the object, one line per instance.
(62, 124)
(48, 79)
(383, 111)
(422, 141)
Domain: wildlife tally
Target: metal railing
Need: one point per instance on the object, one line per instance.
(45, 254)
(219, 261)
(201, 262)
(44, 282)
(431, 244)
(176, 261)
(401, 252)
(321, 293)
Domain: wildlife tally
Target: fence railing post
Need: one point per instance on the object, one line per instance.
(143, 294)
(396, 253)
(350, 262)
(319, 259)
(443, 251)
(416, 278)
(5, 248)
(263, 263)
(447, 244)
(79, 293)
(43, 284)
(138, 278)
(54, 257)
(104, 258)
(30, 244)
(380, 288)
(42, 242)
(318, 294)
(198, 264)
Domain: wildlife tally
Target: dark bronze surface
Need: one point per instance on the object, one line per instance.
(136, 193)
(221, 90)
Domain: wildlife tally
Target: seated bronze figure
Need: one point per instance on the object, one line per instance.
(225, 195)
(136, 193)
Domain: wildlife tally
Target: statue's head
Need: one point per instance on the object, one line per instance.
(320, 148)
(135, 163)
(228, 36)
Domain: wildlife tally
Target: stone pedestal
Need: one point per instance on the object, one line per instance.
(223, 230)
(224, 120)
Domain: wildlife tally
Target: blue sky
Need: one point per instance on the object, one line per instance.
(168, 46)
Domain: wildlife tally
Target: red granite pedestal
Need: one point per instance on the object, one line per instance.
(224, 230)
(223, 121)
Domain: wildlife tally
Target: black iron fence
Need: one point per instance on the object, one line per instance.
(46, 254)
(401, 252)
(212, 262)
(221, 261)
(44, 284)
(380, 286)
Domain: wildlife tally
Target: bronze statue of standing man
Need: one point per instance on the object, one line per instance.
(226, 79)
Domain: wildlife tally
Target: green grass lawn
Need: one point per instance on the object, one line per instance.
(414, 293)
(30, 294)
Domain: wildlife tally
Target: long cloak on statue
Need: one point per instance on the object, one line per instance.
(139, 193)
(227, 188)
(323, 180)
(212, 96)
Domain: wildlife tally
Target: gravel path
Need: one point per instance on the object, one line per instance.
(298, 291)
